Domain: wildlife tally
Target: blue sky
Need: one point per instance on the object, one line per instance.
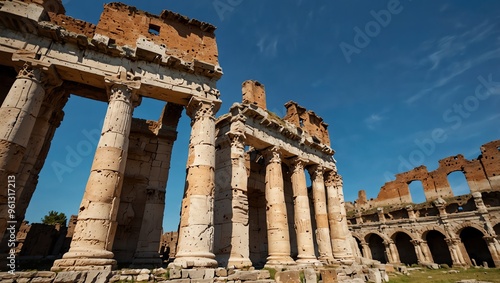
(401, 83)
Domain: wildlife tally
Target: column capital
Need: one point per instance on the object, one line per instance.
(272, 154)
(45, 75)
(316, 172)
(297, 163)
(199, 107)
(333, 178)
(416, 242)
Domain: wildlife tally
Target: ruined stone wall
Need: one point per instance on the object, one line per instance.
(168, 245)
(481, 175)
(187, 39)
(308, 121)
(446, 229)
(254, 93)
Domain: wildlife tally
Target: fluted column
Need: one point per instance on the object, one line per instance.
(239, 256)
(276, 214)
(196, 230)
(95, 230)
(146, 254)
(321, 213)
(17, 115)
(337, 217)
(302, 212)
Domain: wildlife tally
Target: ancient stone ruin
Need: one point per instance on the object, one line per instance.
(446, 229)
(246, 202)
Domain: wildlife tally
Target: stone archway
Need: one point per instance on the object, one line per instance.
(438, 247)
(377, 247)
(406, 249)
(476, 247)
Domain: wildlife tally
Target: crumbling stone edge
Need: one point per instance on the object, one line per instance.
(355, 273)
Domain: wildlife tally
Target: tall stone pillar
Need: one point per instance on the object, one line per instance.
(276, 214)
(303, 226)
(337, 217)
(146, 254)
(196, 231)
(95, 230)
(426, 251)
(321, 213)
(18, 115)
(48, 120)
(232, 227)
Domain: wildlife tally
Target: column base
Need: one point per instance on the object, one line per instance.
(82, 264)
(309, 261)
(279, 260)
(239, 262)
(189, 262)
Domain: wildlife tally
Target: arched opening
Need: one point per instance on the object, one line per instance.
(438, 247)
(417, 191)
(458, 183)
(476, 247)
(406, 249)
(377, 248)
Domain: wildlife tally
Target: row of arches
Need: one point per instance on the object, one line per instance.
(434, 247)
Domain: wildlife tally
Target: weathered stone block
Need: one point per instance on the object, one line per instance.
(291, 276)
(329, 276)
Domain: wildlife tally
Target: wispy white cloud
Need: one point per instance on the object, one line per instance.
(373, 121)
(268, 45)
(446, 60)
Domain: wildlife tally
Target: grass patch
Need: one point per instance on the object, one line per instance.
(272, 272)
(444, 276)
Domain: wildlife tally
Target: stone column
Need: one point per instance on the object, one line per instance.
(366, 250)
(392, 252)
(278, 239)
(95, 230)
(196, 228)
(48, 120)
(337, 217)
(18, 116)
(302, 212)
(146, 254)
(239, 256)
(380, 214)
(321, 213)
(494, 248)
(426, 251)
(418, 251)
(455, 252)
